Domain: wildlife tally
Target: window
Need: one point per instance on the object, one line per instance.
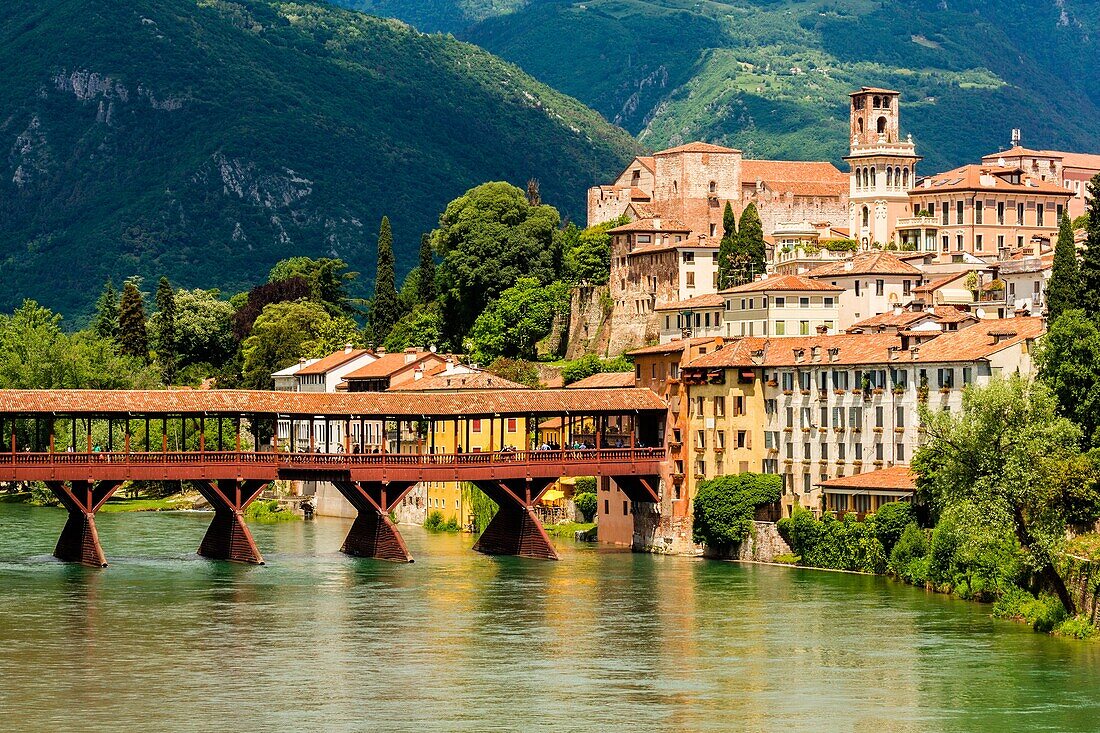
(978, 244)
(824, 451)
(945, 378)
(689, 257)
(945, 217)
(806, 483)
(788, 381)
(824, 417)
(968, 375)
(790, 451)
(979, 212)
(691, 279)
(719, 406)
(932, 209)
(700, 438)
(804, 328)
(742, 439)
(701, 468)
(899, 417)
(959, 242)
(899, 452)
(840, 379)
(878, 416)
(880, 287)
(878, 451)
(780, 328)
(806, 419)
(1019, 214)
(720, 439)
(780, 302)
(1001, 212)
(804, 381)
(899, 377)
(855, 417)
(827, 302)
(1040, 212)
(512, 425)
(699, 406)
(859, 452)
(906, 287)
(804, 302)
(806, 451)
(857, 288)
(771, 407)
(959, 211)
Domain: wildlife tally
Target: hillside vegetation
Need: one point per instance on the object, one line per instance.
(206, 140)
(772, 76)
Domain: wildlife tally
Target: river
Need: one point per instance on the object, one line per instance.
(600, 641)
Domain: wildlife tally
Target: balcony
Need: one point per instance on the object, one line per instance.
(918, 222)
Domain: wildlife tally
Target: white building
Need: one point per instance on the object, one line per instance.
(871, 283)
(786, 305)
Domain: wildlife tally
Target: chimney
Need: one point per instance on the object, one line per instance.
(848, 265)
(410, 355)
(897, 310)
(915, 351)
(822, 330)
(418, 374)
(757, 357)
(348, 348)
(893, 352)
(799, 356)
(834, 353)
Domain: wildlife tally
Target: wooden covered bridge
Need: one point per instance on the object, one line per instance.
(84, 444)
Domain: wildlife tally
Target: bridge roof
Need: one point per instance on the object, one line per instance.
(392, 404)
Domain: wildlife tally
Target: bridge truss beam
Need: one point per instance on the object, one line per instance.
(515, 529)
(373, 534)
(79, 541)
(228, 537)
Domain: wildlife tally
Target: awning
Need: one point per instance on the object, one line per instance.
(552, 495)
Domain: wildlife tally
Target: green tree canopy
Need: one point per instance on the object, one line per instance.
(204, 327)
(1009, 454)
(727, 248)
(165, 336)
(750, 237)
(426, 291)
(725, 506)
(1069, 363)
(385, 307)
(516, 321)
(422, 327)
(133, 339)
(105, 320)
(329, 281)
(1090, 261)
(489, 238)
(1064, 289)
(289, 331)
(588, 252)
(590, 364)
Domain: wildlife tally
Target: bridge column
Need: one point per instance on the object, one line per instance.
(515, 530)
(79, 541)
(373, 534)
(228, 537)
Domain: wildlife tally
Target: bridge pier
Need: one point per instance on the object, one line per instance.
(228, 537)
(79, 541)
(515, 529)
(373, 534)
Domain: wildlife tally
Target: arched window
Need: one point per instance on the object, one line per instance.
(889, 177)
(859, 125)
(859, 178)
(873, 184)
(876, 102)
(905, 179)
(881, 125)
(866, 217)
(713, 186)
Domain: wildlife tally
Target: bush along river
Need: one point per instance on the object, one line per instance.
(600, 641)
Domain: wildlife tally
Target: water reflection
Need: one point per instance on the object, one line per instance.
(164, 640)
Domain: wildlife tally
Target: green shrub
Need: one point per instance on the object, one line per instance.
(838, 544)
(42, 496)
(787, 559)
(586, 505)
(1076, 627)
(974, 555)
(1044, 613)
(584, 485)
(909, 557)
(268, 511)
(725, 506)
(435, 523)
(890, 521)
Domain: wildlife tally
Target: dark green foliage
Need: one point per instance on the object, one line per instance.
(1064, 288)
(890, 521)
(167, 337)
(261, 296)
(838, 544)
(519, 371)
(489, 238)
(588, 252)
(584, 485)
(724, 507)
(586, 505)
(750, 246)
(425, 279)
(1069, 363)
(1044, 613)
(1090, 260)
(514, 323)
(421, 328)
(287, 332)
(105, 320)
(434, 522)
(133, 340)
(909, 558)
(591, 364)
(727, 248)
(479, 506)
(328, 279)
(385, 307)
(213, 139)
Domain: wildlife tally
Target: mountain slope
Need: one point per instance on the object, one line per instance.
(207, 139)
(772, 76)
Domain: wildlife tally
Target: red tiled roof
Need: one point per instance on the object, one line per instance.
(646, 161)
(970, 178)
(696, 147)
(473, 380)
(651, 224)
(671, 347)
(711, 300)
(218, 401)
(890, 319)
(1088, 161)
(866, 263)
(638, 194)
(873, 90)
(389, 364)
(951, 314)
(800, 177)
(940, 282)
(783, 283)
(894, 478)
(605, 380)
(332, 361)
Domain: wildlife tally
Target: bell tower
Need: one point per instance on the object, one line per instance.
(882, 166)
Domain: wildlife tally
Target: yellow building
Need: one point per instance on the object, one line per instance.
(726, 418)
(464, 436)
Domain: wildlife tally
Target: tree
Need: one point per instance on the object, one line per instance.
(133, 340)
(1064, 288)
(204, 330)
(328, 280)
(1010, 456)
(425, 282)
(164, 328)
(750, 236)
(521, 317)
(587, 252)
(1069, 363)
(586, 504)
(725, 506)
(590, 364)
(261, 296)
(287, 332)
(519, 371)
(488, 238)
(1090, 260)
(385, 308)
(727, 248)
(422, 328)
(105, 320)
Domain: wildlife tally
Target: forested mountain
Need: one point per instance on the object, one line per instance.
(772, 76)
(208, 139)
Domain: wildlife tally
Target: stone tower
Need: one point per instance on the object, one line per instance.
(882, 167)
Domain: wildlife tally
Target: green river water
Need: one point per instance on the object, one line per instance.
(600, 641)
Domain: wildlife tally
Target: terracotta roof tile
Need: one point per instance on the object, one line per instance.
(985, 178)
(671, 347)
(940, 282)
(784, 283)
(646, 161)
(866, 263)
(894, 478)
(213, 402)
(696, 147)
(606, 380)
(711, 300)
(389, 364)
(800, 177)
(332, 361)
(473, 380)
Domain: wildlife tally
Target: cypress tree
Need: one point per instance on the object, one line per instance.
(105, 321)
(750, 235)
(1064, 288)
(385, 309)
(1090, 260)
(133, 339)
(727, 249)
(167, 337)
(425, 284)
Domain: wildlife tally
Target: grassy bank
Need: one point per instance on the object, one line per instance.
(568, 529)
(147, 504)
